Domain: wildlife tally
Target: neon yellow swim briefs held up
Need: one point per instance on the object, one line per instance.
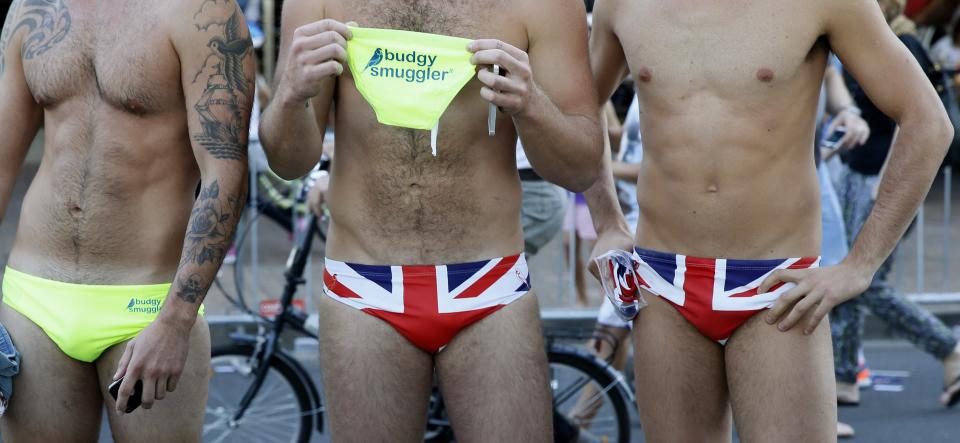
(84, 320)
(408, 78)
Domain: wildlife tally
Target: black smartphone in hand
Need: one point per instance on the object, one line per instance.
(134, 401)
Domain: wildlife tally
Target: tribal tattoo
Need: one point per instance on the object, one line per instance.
(227, 92)
(47, 23)
(7, 32)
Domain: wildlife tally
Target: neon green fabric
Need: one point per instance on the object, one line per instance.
(408, 78)
(83, 320)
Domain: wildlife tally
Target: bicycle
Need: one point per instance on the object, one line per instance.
(259, 392)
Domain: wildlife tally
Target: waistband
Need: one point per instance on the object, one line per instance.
(452, 268)
(690, 261)
(40, 283)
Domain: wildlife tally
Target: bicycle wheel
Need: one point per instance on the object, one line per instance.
(280, 412)
(588, 396)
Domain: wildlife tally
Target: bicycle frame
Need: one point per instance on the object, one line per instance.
(267, 347)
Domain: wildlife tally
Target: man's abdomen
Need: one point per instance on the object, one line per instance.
(95, 219)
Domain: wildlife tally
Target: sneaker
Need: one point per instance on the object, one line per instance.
(845, 431)
(848, 394)
(863, 377)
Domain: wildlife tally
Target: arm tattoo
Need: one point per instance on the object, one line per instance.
(212, 223)
(227, 91)
(191, 288)
(7, 32)
(47, 23)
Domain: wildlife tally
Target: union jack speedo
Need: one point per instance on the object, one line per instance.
(715, 295)
(428, 304)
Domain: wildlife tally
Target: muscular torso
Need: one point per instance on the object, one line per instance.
(728, 93)
(116, 183)
(392, 201)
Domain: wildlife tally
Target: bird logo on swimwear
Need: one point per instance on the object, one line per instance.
(143, 306)
(375, 60)
(421, 70)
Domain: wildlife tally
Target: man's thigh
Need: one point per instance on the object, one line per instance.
(376, 383)
(50, 389)
(680, 378)
(494, 378)
(782, 384)
(176, 418)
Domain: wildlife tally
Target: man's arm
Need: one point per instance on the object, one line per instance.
(548, 92)
(20, 114)
(312, 55)
(894, 82)
(217, 65)
(609, 68)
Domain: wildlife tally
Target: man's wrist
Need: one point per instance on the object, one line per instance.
(537, 98)
(618, 227)
(853, 109)
(178, 314)
(289, 100)
(860, 265)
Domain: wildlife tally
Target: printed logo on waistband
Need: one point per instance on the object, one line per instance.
(421, 70)
(144, 306)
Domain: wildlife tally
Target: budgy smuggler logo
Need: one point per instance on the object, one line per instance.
(421, 70)
(144, 306)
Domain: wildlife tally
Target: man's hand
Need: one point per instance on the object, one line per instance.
(511, 92)
(817, 290)
(620, 238)
(157, 357)
(317, 53)
(858, 130)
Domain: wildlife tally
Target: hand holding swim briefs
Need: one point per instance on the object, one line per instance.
(317, 52)
(511, 92)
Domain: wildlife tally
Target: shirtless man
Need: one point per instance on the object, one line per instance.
(393, 203)
(141, 101)
(728, 94)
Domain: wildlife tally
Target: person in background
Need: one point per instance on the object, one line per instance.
(930, 12)
(857, 190)
(946, 51)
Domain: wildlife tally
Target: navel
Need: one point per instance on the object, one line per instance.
(765, 75)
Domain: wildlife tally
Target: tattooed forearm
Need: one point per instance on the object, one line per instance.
(226, 98)
(7, 32)
(47, 23)
(191, 289)
(209, 234)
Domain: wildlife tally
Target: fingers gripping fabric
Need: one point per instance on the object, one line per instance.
(408, 78)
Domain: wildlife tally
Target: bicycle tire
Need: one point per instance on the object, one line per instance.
(279, 368)
(592, 368)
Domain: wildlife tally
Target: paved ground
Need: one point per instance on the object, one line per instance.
(912, 415)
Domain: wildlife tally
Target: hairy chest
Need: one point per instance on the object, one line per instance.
(119, 55)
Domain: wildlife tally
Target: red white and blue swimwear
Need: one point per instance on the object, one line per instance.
(429, 304)
(715, 295)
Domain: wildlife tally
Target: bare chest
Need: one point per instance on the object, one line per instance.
(460, 18)
(731, 48)
(116, 53)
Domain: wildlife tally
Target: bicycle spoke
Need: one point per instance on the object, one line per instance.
(565, 395)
